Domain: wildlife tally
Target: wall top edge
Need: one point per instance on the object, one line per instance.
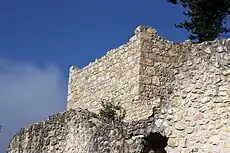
(143, 32)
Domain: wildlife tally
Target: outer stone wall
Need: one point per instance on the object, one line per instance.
(200, 100)
(188, 85)
(142, 74)
(159, 61)
(135, 74)
(113, 76)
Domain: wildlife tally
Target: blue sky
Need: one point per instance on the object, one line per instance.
(39, 40)
(75, 32)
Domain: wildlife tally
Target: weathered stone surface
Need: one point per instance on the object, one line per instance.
(188, 85)
(80, 131)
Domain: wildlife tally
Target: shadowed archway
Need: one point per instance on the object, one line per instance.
(155, 143)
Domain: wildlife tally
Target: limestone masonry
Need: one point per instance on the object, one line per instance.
(187, 84)
(138, 74)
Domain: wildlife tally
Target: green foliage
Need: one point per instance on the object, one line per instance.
(112, 111)
(208, 18)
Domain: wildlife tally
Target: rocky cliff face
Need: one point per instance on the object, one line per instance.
(80, 131)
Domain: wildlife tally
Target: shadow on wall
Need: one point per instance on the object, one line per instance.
(155, 143)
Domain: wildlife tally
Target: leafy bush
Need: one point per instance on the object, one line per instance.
(112, 111)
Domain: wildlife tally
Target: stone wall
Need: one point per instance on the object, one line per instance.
(159, 60)
(132, 74)
(183, 88)
(113, 76)
(200, 100)
(189, 84)
(140, 74)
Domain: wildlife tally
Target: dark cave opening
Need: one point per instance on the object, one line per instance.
(155, 143)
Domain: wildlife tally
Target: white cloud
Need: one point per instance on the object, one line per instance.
(28, 94)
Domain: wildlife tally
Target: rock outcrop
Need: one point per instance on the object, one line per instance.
(80, 131)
